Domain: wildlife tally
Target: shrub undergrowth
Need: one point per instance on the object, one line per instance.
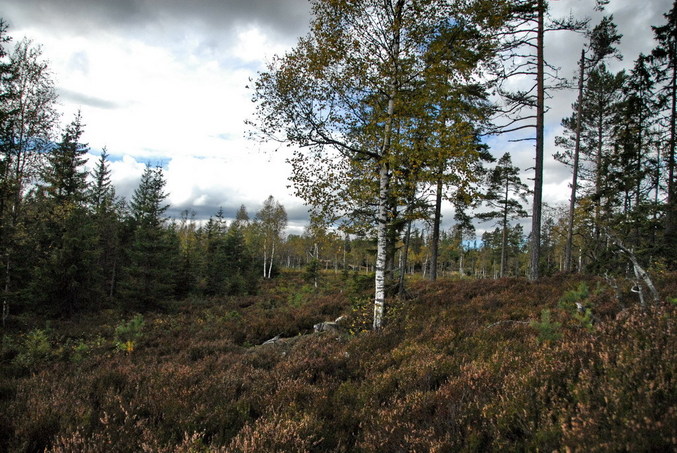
(461, 366)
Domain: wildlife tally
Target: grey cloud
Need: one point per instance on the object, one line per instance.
(283, 17)
(206, 205)
(83, 99)
(201, 212)
(296, 215)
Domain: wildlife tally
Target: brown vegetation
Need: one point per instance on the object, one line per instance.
(462, 366)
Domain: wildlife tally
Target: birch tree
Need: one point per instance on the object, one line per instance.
(272, 220)
(28, 120)
(339, 96)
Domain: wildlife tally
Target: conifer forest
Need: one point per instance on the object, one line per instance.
(384, 326)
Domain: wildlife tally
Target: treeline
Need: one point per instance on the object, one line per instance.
(70, 244)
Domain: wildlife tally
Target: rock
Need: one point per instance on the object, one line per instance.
(326, 326)
(329, 326)
(272, 340)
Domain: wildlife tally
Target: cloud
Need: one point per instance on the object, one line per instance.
(280, 17)
(125, 174)
(228, 181)
(83, 99)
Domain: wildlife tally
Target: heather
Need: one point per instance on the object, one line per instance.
(462, 365)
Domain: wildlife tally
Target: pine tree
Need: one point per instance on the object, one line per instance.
(665, 58)
(504, 190)
(523, 53)
(603, 39)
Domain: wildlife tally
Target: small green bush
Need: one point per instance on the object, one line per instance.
(34, 349)
(577, 302)
(298, 298)
(80, 351)
(127, 334)
(548, 330)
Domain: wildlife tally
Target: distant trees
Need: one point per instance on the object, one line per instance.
(229, 265)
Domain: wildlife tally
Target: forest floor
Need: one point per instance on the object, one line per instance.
(462, 365)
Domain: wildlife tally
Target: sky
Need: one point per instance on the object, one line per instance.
(165, 82)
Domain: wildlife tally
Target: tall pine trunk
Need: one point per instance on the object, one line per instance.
(671, 214)
(435, 245)
(538, 167)
(574, 180)
(504, 234)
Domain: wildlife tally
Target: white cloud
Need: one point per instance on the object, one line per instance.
(148, 105)
(254, 46)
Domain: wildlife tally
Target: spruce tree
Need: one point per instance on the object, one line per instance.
(65, 273)
(151, 256)
(634, 164)
(107, 211)
(215, 256)
(240, 264)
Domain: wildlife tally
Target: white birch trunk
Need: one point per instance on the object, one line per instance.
(379, 284)
(384, 179)
(270, 265)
